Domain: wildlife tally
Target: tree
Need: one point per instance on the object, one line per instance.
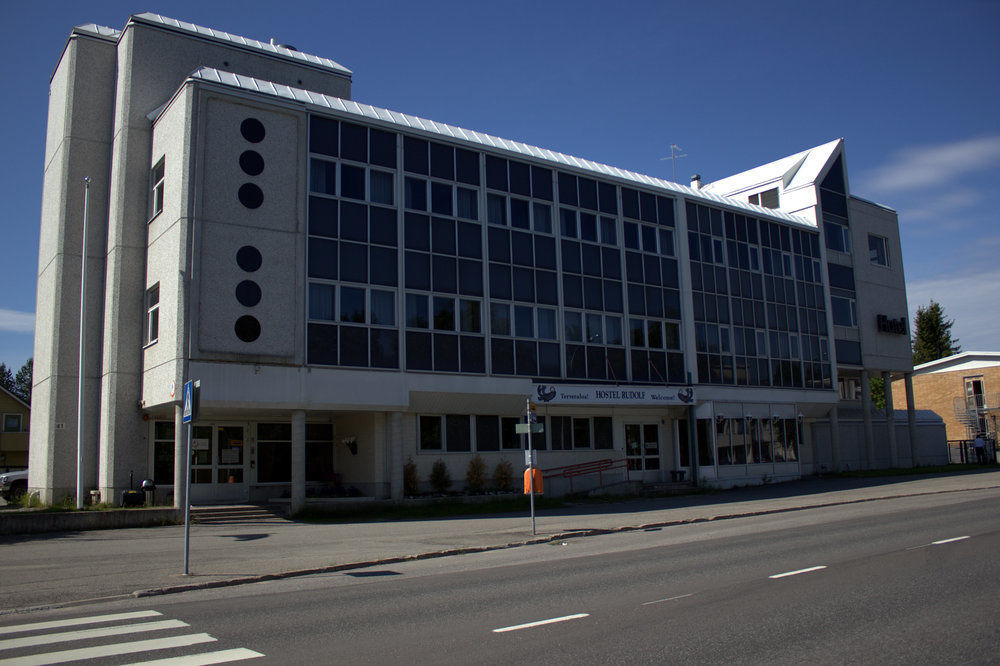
(22, 381)
(6, 378)
(932, 335)
(877, 386)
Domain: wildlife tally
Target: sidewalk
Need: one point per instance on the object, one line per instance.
(64, 568)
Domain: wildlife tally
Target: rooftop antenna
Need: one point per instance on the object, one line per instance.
(674, 157)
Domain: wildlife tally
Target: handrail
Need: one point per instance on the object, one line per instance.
(590, 467)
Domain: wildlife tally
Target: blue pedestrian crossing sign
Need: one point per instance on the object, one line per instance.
(192, 389)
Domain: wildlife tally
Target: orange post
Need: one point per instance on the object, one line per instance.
(532, 481)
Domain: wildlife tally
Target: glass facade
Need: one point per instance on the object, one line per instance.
(429, 257)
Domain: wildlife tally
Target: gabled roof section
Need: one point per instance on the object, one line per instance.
(252, 44)
(970, 360)
(795, 171)
(14, 397)
(402, 120)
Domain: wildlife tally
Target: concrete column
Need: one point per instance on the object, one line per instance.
(866, 409)
(180, 453)
(394, 440)
(911, 417)
(298, 461)
(834, 440)
(890, 420)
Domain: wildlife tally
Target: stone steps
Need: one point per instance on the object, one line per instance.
(243, 514)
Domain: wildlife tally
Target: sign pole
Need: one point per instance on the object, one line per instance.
(531, 466)
(187, 499)
(192, 390)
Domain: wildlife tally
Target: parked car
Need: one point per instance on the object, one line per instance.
(13, 485)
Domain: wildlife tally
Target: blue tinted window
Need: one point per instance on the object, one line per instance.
(383, 225)
(466, 166)
(384, 348)
(572, 291)
(567, 189)
(383, 266)
(500, 281)
(441, 198)
(519, 216)
(383, 148)
(354, 142)
(323, 258)
(417, 314)
(469, 240)
(570, 256)
(470, 277)
(521, 245)
(322, 177)
(443, 236)
(496, 173)
(352, 304)
(353, 221)
(520, 178)
(416, 194)
(445, 269)
(545, 252)
(417, 231)
(353, 263)
(442, 161)
(323, 135)
(322, 217)
(418, 270)
(588, 193)
(414, 155)
(541, 183)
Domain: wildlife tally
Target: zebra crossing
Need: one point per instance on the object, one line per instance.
(109, 636)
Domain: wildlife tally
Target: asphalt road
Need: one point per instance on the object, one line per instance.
(909, 581)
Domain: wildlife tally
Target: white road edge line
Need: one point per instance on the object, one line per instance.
(203, 659)
(540, 623)
(659, 601)
(77, 621)
(951, 540)
(796, 573)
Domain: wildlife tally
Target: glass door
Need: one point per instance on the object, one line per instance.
(218, 458)
(642, 449)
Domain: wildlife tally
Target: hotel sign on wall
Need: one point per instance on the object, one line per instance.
(888, 325)
(576, 394)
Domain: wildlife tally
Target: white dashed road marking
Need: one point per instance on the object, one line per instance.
(660, 601)
(797, 572)
(951, 540)
(541, 622)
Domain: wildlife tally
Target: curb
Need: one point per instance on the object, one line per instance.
(561, 536)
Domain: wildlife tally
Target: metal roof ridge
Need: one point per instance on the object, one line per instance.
(247, 42)
(508, 145)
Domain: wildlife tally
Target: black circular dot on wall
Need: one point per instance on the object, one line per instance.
(252, 163)
(247, 328)
(250, 195)
(248, 258)
(248, 293)
(252, 130)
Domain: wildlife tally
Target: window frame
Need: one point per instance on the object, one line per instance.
(873, 251)
(157, 186)
(151, 321)
(20, 422)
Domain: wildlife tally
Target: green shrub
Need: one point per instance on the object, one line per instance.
(411, 480)
(475, 475)
(440, 478)
(503, 475)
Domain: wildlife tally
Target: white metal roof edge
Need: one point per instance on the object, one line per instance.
(99, 31)
(413, 122)
(219, 35)
(957, 359)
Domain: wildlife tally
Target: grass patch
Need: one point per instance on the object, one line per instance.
(425, 511)
(909, 471)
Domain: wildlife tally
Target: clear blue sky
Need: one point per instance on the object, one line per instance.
(911, 85)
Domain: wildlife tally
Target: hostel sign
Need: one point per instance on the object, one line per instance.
(577, 394)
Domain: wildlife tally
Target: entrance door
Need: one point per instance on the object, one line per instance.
(218, 464)
(642, 449)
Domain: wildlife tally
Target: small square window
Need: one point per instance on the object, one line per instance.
(878, 251)
(12, 423)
